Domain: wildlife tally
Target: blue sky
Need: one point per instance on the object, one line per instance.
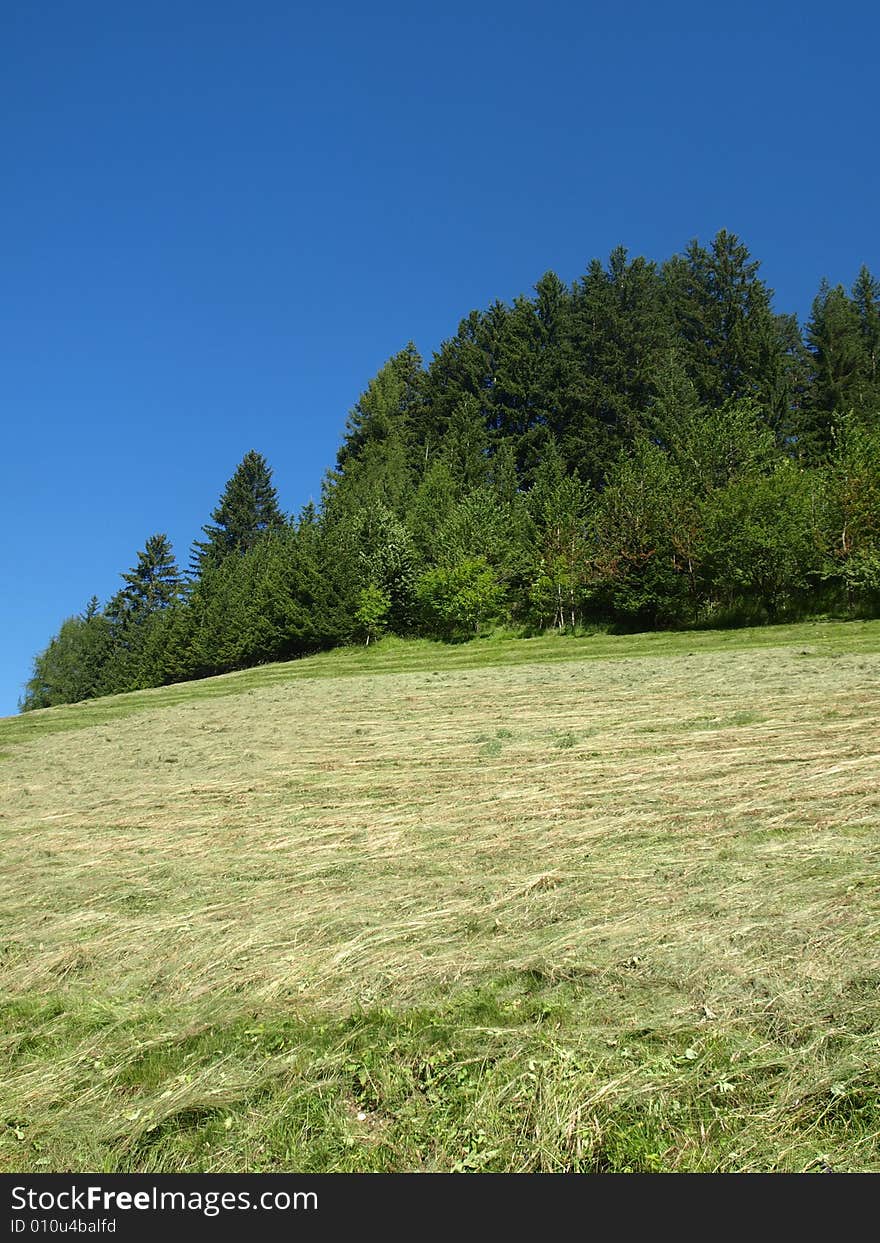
(218, 219)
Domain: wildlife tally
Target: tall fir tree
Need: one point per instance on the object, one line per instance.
(723, 320)
(866, 296)
(154, 583)
(619, 332)
(248, 509)
(387, 409)
(837, 362)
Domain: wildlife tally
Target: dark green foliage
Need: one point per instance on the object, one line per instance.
(264, 605)
(620, 332)
(247, 510)
(464, 449)
(723, 319)
(642, 559)
(653, 445)
(760, 546)
(866, 295)
(719, 445)
(154, 583)
(387, 410)
(431, 507)
(560, 553)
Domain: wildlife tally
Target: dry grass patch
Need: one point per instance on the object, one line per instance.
(678, 855)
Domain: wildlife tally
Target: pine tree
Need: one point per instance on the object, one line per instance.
(837, 358)
(434, 499)
(517, 412)
(247, 510)
(674, 403)
(154, 583)
(722, 314)
(387, 409)
(465, 446)
(866, 296)
(463, 367)
(620, 331)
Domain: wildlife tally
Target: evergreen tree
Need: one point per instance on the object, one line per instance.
(379, 459)
(866, 296)
(517, 410)
(435, 498)
(247, 510)
(464, 448)
(722, 317)
(674, 404)
(387, 410)
(719, 445)
(463, 367)
(837, 358)
(619, 332)
(266, 604)
(154, 583)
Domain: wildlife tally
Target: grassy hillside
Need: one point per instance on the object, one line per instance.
(598, 904)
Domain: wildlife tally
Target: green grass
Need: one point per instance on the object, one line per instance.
(601, 904)
(391, 655)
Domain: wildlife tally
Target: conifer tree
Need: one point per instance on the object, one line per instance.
(834, 340)
(154, 583)
(674, 403)
(722, 318)
(619, 331)
(465, 446)
(387, 409)
(247, 510)
(866, 296)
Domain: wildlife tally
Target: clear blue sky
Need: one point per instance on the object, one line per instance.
(218, 219)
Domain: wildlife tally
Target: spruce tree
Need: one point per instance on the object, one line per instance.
(154, 583)
(837, 360)
(387, 409)
(866, 296)
(247, 510)
(723, 318)
(619, 332)
(465, 446)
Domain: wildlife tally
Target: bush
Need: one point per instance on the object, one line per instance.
(456, 600)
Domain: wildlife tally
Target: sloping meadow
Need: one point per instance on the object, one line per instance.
(601, 913)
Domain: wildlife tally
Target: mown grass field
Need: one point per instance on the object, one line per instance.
(596, 904)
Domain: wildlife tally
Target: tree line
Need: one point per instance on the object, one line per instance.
(650, 446)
